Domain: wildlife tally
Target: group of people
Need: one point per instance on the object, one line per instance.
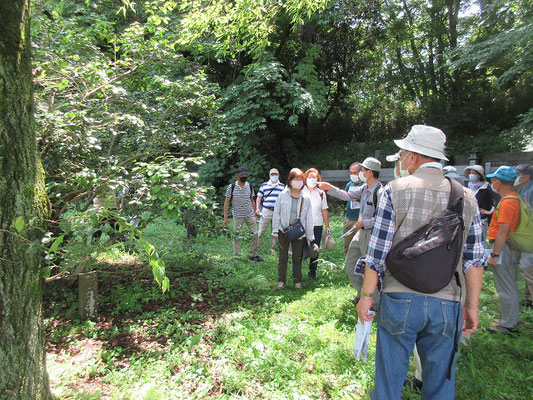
(378, 217)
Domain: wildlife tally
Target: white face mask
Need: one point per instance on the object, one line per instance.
(517, 181)
(354, 178)
(311, 182)
(297, 184)
(396, 168)
(404, 172)
(362, 177)
(274, 178)
(473, 177)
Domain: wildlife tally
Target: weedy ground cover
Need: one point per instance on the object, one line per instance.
(223, 331)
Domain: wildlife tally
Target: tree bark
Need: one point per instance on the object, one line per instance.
(22, 351)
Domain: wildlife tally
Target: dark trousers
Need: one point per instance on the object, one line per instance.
(312, 261)
(297, 248)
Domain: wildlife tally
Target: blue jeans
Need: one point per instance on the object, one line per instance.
(403, 320)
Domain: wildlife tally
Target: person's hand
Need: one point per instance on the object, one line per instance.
(492, 261)
(324, 185)
(328, 231)
(226, 221)
(274, 237)
(485, 212)
(257, 212)
(363, 306)
(470, 320)
(359, 225)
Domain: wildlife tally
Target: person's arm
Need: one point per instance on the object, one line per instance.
(276, 217)
(325, 215)
(226, 208)
(344, 195)
(474, 280)
(499, 242)
(364, 304)
(257, 210)
(253, 203)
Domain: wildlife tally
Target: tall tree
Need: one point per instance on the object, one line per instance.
(23, 203)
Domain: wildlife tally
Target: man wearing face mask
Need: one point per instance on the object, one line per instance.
(241, 195)
(368, 195)
(266, 199)
(353, 207)
(407, 317)
(503, 258)
(524, 186)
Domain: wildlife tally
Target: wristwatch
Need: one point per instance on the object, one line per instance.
(494, 255)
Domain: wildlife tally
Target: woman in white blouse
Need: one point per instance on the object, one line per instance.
(319, 204)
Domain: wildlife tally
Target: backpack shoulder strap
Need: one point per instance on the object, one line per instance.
(232, 189)
(455, 202)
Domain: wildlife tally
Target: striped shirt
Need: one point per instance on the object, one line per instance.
(241, 204)
(271, 191)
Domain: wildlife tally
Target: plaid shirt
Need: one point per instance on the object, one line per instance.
(382, 236)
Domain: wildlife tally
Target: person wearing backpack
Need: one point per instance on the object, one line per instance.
(266, 198)
(368, 195)
(422, 305)
(504, 258)
(241, 195)
(524, 187)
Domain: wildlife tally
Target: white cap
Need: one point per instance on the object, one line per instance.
(393, 157)
(274, 171)
(372, 164)
(425, 140)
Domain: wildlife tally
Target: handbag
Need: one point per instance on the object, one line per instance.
(296, 230)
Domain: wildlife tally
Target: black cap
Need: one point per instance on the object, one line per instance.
(242, 170)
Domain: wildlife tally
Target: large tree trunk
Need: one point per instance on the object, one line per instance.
(22, 353)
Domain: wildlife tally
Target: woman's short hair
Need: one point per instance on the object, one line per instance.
(295, 173)
(310, 171)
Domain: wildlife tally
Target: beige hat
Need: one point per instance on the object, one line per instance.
(425, 140)
(477, 168)
(328, 243)
(372, 164)
(273, 171)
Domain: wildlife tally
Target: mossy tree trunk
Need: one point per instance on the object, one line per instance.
(22, 352)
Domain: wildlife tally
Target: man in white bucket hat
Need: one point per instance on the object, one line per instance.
(407, 317)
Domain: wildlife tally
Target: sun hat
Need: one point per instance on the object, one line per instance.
(449, 168)
(372, 164)
(393, 157)
(273, 171)
(504, 173)
(477, 168)
(242, 170)
(425, 140)
(328, 243)
(310, 251)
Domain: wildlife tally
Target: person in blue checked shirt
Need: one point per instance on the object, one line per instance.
(406, 317)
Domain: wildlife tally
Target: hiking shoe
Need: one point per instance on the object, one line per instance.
(502, 330)
(256, 259)
(298, 285)
(526, 303)
(235, 258)
(413, 383)
(272, 251)
(312, 276)
(280, 285)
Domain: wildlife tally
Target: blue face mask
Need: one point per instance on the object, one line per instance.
(274, 178)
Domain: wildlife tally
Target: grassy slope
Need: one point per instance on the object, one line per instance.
(225, 332)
